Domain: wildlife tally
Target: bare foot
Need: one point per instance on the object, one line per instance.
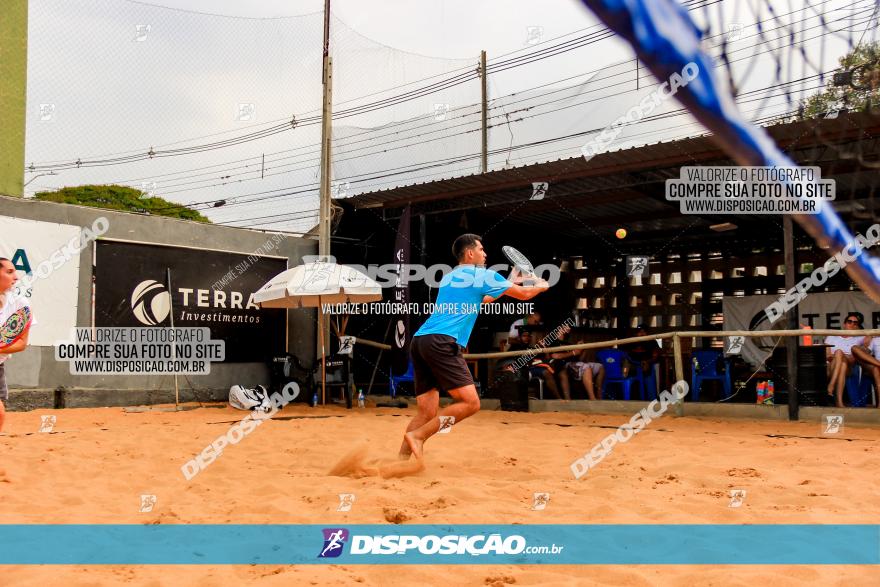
(415, 445)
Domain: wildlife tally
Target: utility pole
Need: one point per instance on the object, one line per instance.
(324, 212)
(326, 137)
(485, 130)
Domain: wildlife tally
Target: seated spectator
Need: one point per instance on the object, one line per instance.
(868, 356)
(516, 327)
(537, 366)
(644, 354)
(560, 359)
(592, 375)
(839, 355)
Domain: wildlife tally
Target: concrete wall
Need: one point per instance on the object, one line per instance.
(34, 375)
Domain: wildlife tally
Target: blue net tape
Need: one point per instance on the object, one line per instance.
(666, 40)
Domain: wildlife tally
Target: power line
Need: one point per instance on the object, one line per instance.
(308, 121)
(672, 114)
(374, 145)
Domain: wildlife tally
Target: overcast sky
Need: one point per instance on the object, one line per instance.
(116, 76)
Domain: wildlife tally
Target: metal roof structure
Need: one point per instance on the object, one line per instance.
(589, 200)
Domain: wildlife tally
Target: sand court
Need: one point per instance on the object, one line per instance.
(95, 464)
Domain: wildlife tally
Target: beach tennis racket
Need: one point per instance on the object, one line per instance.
(14, 327)
(520, 262)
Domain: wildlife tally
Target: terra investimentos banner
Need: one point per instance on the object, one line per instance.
(212, 289)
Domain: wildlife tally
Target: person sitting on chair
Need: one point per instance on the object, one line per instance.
(538, 368)
(517, 327)
(839, 355)
(644, 353)
(592, 375)
(560, 360)
(868, 356)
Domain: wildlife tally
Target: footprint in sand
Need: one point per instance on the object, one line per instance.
(745, 472)
(395, 516)
(357, 464)
(499, 581)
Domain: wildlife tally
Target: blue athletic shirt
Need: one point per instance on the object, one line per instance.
(458, 301)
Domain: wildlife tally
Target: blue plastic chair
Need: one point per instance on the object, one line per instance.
(710, 363)
(647, 381)
(396, 380)
(613, 360)
(858, 387)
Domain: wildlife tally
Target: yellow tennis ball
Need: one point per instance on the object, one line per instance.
(621, 233)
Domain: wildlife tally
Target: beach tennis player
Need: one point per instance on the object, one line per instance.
(436, 348)
(15, 323)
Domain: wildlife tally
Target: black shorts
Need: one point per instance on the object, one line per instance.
(438, 363)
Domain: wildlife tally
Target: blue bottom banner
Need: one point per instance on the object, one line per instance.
(483, 544)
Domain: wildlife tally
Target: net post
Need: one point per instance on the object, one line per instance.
(679, 370)
(791, 318)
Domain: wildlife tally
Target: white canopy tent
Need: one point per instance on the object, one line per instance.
(314, 284)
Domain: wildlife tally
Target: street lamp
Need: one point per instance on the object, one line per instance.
(38, 175)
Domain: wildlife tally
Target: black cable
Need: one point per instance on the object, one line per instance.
(309, 121)
(671, 114)
(454, 159)
(373, 144)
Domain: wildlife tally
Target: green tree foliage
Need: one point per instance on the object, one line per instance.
(855, 87)
(118, 197)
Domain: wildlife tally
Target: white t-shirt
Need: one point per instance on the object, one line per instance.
(11, 305)
(514, 328)
(844, 344)
(875, 346)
